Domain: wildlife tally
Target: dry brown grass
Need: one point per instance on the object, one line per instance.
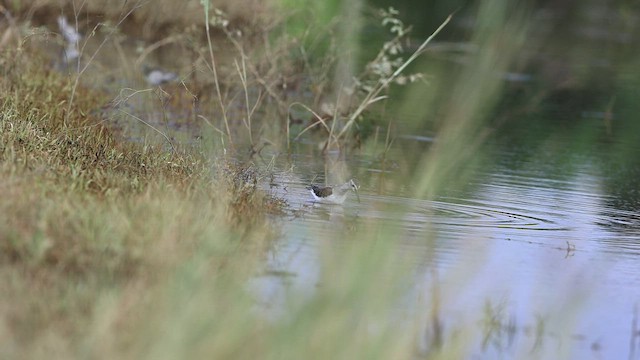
(83, 214)
(151, 17)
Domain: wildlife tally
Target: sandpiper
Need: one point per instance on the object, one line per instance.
(334, 195)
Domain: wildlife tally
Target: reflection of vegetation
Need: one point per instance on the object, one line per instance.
(496, 328)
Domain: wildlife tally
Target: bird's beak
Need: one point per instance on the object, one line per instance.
(357, 194)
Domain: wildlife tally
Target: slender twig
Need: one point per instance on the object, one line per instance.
(333, 123)
(213, 69)
(319, 120)
(243, 79)
(253, 69)
(158, 44)
(373, 97)
(137, 5)
(152, 127)
(210, 124)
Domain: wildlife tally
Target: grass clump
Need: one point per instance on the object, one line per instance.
(84, 216)
(41, 135)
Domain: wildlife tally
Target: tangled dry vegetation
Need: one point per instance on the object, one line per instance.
(82, 212)
(239, 71)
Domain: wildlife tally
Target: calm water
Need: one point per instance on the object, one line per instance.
(537, 244)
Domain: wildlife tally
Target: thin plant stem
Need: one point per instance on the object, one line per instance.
(86, 66)
(205, 3)
(152, 127)
(317, 122)
(243, 79)
(373, 97)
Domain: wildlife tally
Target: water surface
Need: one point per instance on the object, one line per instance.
(549, 249)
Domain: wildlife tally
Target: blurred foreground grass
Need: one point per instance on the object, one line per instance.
(118, 250)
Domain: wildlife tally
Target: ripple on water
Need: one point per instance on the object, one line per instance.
(458, 213)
